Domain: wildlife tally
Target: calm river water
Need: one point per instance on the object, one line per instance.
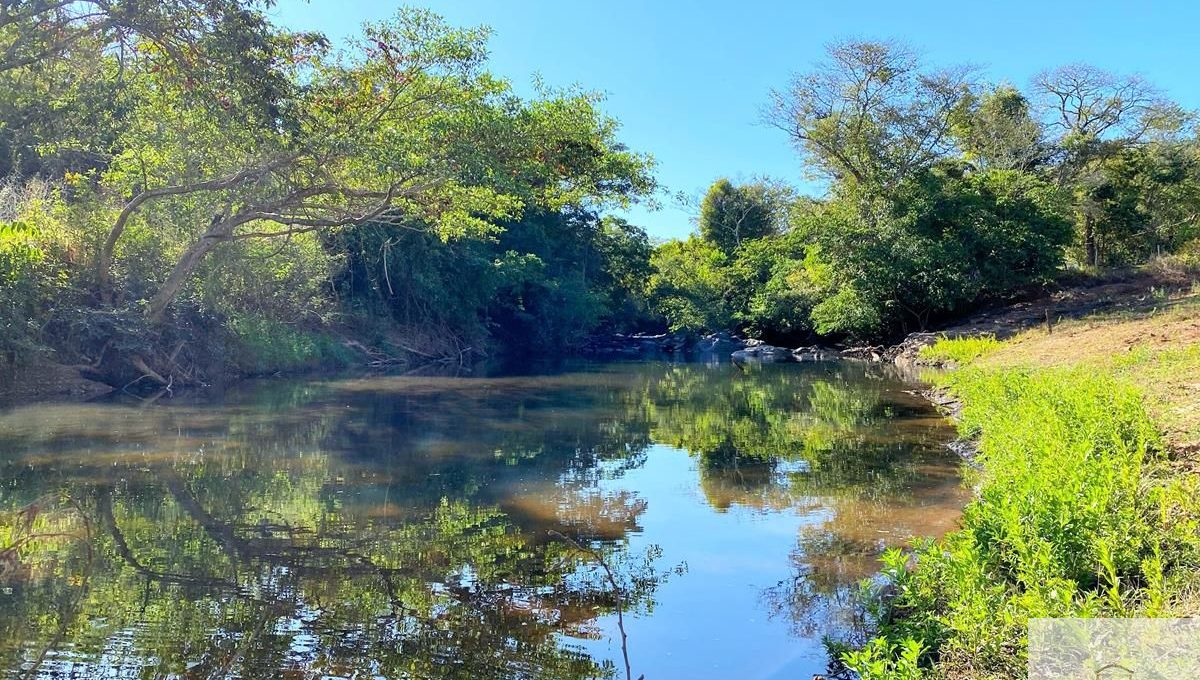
(433, 527)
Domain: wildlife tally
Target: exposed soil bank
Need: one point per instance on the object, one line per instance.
(43, 379)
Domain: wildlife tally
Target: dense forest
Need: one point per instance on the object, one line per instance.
(187, 186)
(188, 189)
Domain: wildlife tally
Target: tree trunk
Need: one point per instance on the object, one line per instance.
(185, 267)
(1092, 253)
(158, 370)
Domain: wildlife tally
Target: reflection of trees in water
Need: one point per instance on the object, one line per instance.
(267, 552)
(863, 460)
(399, 526)
(459, 593)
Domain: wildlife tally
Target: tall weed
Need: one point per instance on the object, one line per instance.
(1076, 515)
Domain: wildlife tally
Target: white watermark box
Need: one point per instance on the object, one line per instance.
(1114, 649)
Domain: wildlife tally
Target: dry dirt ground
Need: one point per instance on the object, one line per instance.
(1145, 328)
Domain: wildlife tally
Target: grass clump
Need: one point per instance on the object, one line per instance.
(263, 346)
(960, 350)
(1077, 515)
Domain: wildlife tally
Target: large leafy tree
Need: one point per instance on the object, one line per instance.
(404, 128)
(731, 215)
(948, 242)
(1095, 116)
(64, 67)
(998, 131)
(870, 115)
(691, 285)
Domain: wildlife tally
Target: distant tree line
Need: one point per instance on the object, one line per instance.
(943, 192)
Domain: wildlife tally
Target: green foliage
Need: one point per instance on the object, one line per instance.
(262, 347)
(946, 242)
(23, 283)
(1074, 518)
(870, 116)
(848, 311)
(732, 215)
(997, 131)
(1144, 202)
(781, 300)
(883, 660)
(624, 252)
(690, 285)
(33, 275)
(541, 283)
(961, 350)
(867, 268)
(212, 168)
(759, 285)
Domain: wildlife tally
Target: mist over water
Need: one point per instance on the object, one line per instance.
(409, 527)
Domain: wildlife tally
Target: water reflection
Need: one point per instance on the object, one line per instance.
(402, 527)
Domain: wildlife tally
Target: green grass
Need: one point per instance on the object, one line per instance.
(960, 350)
(263, 347)
(1078, 514)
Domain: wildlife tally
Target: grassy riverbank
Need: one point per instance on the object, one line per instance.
(1087, 497)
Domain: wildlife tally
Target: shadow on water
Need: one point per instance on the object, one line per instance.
(404, 527)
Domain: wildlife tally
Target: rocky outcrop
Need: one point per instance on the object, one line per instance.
(720, 343)
(908, 351)
(639, 344)
(725, 344)
(815, 353)
(763, 353)
(872, 353)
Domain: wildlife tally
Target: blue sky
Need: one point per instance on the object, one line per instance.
(687, 79)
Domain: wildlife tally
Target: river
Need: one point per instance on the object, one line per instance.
(465, 527)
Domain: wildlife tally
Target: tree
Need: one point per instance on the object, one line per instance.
(731, 215)
(997, 131)
(65, 66)
(869, 115)
(404, 129)
(624, 252)
(690, 286)
(945, 242)
(1146, 201)
(1097, 114)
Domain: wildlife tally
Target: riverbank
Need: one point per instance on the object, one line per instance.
(1087, 432)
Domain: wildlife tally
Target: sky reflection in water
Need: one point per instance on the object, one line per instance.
(402, 527)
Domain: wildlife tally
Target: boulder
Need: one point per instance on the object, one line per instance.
(763, 353)
(719, 343)
(908, 352)
(864, 353)
(814, 353)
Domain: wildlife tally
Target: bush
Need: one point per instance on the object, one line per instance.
(1073, 518)
(34, 272)
(944, 242)
(262, 346)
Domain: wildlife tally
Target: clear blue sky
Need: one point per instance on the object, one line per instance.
(687, 78)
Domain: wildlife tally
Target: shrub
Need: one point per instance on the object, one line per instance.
(262, 346)
(1073, 518)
